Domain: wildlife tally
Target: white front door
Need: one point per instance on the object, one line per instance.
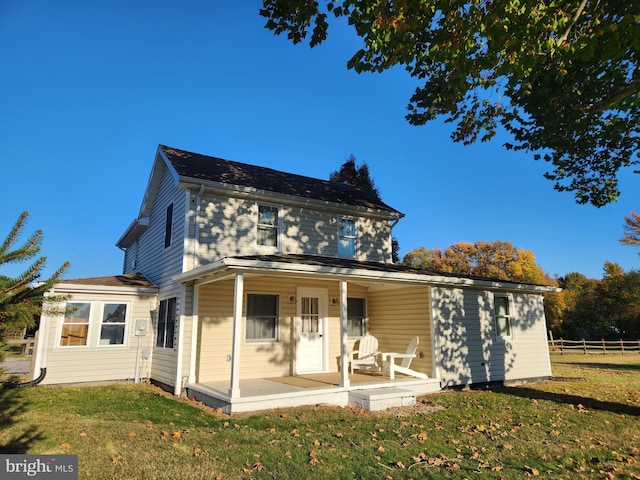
(311, 330)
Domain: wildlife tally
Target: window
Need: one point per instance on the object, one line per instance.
(356, 318)
(114, 316)
(267, 226)
(503, 318)
(346, 237)
(167, 226)
(166, 323)
(262, 318)
(75, 327)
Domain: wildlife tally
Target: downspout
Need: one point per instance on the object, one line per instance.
(435, 333)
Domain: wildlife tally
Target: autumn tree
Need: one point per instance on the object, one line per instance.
(498, 260)
(562, 78)
(631, 230)
(21, 297)
(359, 176)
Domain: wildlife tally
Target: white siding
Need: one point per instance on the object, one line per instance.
(96, 363)
(469, 350)
(398, 315)
(228, 227)
(157, 263)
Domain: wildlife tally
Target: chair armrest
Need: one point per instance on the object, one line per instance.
(396, 355)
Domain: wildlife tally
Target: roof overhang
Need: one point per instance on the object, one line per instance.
(227, 267)
(133, 232)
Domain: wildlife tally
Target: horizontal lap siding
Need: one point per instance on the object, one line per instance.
(258, 360)
(396, 316)
(98, 363)
(470, 351)
(157, 263)
(228, 227)
(530, 338)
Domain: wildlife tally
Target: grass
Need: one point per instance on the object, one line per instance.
(583, 424)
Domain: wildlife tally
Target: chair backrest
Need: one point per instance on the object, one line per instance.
(411, 350)
(368, 346)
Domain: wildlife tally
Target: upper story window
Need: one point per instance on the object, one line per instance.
(502, 316)
(262, 318)
(356, 317)
(168, 225)
(166, 323)
(268, 225)
(346, 237)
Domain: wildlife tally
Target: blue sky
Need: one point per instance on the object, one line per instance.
(89, 89)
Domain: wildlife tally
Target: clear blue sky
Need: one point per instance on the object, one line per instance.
(89, 89)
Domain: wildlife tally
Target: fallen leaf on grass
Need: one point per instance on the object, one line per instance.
(132, 434)
(531, 471)
(65, 445)
(313, 458)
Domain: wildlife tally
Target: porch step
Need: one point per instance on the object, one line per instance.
(381, 398)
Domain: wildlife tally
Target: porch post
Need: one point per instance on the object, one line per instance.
(238, 294)
(344, 332)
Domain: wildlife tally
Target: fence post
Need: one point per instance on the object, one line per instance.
(604, 347)
(562, 344)
(622, 347)
(584, 346)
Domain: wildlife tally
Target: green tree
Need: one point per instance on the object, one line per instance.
(22, 297)
(359, 176)
(561, 77)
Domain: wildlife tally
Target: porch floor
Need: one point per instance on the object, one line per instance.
(311, 389)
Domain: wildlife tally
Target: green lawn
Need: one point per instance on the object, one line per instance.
(584, 424)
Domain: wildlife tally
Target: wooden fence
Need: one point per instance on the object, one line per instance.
(594, 346)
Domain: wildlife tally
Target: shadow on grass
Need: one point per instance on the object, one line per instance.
(606, 366)
(566, 399)
(12, 405)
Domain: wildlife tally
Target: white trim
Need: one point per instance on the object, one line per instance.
(323, 312)
(435, 335)
(200, 274)
(177, 388)
(102, 289)
(238, 299)
(194, 333)
(344, 341)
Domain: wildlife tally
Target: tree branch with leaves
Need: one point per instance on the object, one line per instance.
(562, 78)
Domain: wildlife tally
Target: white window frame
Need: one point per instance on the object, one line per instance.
(507, 316)
(278, 226)
(88, 323)
(124, 324)
(276, 337)
(95, 322)
(352, 238)
(365, 320)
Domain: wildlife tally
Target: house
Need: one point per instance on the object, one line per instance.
(247, 288)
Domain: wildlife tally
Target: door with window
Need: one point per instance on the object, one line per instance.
(311, 330)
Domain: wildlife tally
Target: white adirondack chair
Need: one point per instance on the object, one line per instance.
(389, 361)
(366, 356)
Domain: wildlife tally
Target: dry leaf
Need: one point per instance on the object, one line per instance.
(132, 434)
(197, 451)
(65, 445)
(176, 435)
(531, 471)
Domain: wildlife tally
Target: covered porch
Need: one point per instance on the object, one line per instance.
(303, 358)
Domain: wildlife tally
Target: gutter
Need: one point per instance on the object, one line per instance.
(361, 273)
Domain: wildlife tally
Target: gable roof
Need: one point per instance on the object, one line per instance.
(204, 168)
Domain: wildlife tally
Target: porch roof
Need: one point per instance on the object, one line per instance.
(279, 264)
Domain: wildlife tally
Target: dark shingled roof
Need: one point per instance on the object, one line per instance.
(124, 280)
(204, 167)
(334, 262)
